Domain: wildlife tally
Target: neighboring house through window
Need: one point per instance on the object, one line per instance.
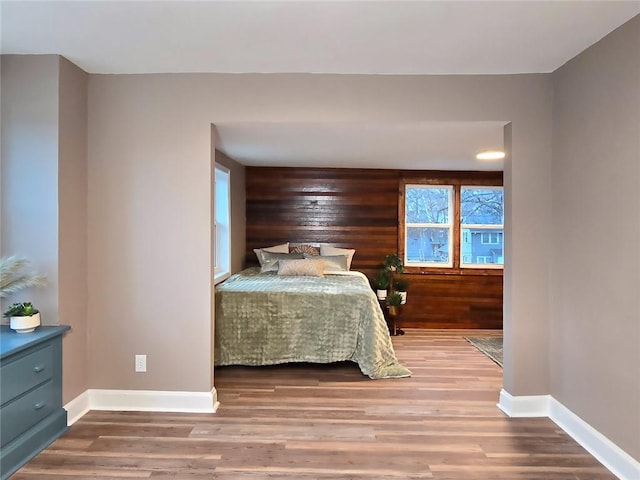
(482, 226)
(428, 225)
(222, 224)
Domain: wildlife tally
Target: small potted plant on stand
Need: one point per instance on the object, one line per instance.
(394, 300)
(381, 281)
(393, 263)
(401, 285)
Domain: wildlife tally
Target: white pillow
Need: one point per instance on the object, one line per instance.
(327, 250)
(283, 248)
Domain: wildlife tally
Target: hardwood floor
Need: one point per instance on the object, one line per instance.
(329, 422)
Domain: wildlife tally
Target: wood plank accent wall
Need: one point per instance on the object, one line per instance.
(358, 208)
(453, 301)
(347, 208)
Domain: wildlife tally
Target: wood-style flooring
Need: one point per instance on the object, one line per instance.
(330, 422)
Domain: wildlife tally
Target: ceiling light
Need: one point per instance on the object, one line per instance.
(490, 155)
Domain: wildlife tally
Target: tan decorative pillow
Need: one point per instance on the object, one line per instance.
(332, 263)
(306, 249)
(301, 268)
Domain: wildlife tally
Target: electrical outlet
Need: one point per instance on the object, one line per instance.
(141, 363)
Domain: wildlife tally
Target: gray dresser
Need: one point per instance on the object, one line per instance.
(31, 413)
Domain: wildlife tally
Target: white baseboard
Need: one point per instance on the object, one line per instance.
(524, 406)
(608, 453)
(616, 460)
(77, 407)
(141, 401)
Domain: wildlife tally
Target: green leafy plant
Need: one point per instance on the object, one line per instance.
(393, 263)
(382, 279)
(401, 284)
(14, 277)
(24, 309)
(394, 299)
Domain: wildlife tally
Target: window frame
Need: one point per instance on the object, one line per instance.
(498, 227)
(221, 246)
(456, 180)
(445, 226)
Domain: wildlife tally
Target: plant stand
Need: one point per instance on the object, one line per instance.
(392, 320)
(393, 325)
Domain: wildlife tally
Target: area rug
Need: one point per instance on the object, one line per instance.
(490, 346)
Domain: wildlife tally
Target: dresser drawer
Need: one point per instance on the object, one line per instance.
(18, 416)
(26, 372)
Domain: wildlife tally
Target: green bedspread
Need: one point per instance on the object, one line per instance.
(266, 319)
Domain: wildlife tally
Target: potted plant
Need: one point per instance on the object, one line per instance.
(393, 263)
(381, 281)
(401, 285)
(394, 300)
(23, 317)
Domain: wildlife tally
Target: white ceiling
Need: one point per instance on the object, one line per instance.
(392, 37)
(344, 37)
(427, 145)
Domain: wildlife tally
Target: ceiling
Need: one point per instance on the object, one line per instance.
(342, 37)
(426, 145)
(365, 37)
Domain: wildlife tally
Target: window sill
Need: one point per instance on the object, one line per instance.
(220, 277)
(454, 271)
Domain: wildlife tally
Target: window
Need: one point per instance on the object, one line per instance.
(490, 238)
(482, 218)
(222, 224)
(451, 225)
(428, 225)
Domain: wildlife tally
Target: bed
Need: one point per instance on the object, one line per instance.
(263, 318)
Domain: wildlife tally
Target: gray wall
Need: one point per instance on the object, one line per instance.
(150, 181)
(595, 282)
(150, 155)
(72, 221)
(30, 173)
(44, 193)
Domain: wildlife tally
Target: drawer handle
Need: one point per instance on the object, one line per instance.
(39, 406)
(38, 368)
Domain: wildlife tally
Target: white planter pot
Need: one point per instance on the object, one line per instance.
(382, 294)
(404, 297)
(24, 324)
